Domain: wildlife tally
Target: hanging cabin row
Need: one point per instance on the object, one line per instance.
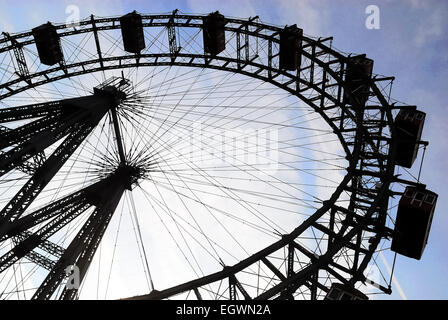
(49, 48)
(416, 206)
(408, 123)
(412, 225)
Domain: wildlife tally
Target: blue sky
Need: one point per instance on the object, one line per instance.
(411, 45)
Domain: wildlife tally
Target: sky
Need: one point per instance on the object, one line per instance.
(410, 44)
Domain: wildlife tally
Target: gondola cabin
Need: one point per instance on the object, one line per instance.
(214, 33)
(290, 47)
(358, 74)
(413, 222)
(339, 291)
(48, 44)
(132, 32)
(409, 127)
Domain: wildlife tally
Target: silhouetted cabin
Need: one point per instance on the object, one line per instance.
(214, 33)
(48, 44)
(409, 127)
(339, 291)
(132, 32)
(358, 74)
(413, 222)
(290, 47)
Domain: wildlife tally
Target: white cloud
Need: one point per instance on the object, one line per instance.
(431, 28)
(303, 13)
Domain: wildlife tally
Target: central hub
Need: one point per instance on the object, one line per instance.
(128, 175)
(115, 95)
(114, 88)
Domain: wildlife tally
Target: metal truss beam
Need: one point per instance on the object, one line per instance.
(97, 40)
(27, 167)
(44, 132)
(25, 132)
(29, 111)
(40, 260)
(81, 250)
(28, 193)
(46, 245)
(172, 40)
(58, 214)
(22, 71)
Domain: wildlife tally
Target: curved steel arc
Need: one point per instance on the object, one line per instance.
(94, 22)
(190, 64)
(254, 258)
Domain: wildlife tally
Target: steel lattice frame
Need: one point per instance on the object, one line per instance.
(366, 136)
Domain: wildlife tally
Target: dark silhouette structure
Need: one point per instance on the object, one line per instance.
(341, 89)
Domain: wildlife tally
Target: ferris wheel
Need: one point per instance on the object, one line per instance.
(180, 156)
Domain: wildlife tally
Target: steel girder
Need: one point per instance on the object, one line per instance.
(107, 194)
(77, 124)
(104, 195)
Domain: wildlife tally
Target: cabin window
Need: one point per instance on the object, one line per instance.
(419, 116)
(409, 116)
(419, 196)
(409, 193)
(346, 296)
(429, 199)
(334, 294)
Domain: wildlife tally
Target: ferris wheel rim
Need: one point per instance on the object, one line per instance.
(351, 171)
